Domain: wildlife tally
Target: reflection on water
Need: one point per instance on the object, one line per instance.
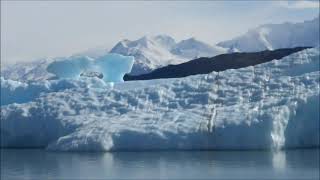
(279, 160)
(39, 164)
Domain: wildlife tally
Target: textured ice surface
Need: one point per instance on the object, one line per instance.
(271, 105)
(19, 92)
(112, 66)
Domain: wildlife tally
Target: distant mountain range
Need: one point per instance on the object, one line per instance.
(27, 71)
(217, 63)
(276, 36)
(157, 51)
(153, 52)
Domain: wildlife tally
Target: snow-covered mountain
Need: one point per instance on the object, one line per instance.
(219, 63)
(94, 52)
(27, 71)
(270, 105)
(193, 48)
(275, 36)
(158, 51)
(149, 52)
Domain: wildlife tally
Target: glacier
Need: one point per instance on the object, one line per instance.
(112, 67)
(68, 73)
(21, 92)
(268, 106)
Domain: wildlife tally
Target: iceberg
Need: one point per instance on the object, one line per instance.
(268, 106)
(70, 73)
(110, 67)
(113, 65)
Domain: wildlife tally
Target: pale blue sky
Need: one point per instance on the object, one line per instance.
(34, 29)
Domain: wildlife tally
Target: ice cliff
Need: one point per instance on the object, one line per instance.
(271, 105)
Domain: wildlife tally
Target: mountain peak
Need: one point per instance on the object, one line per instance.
(276, 36)
(152, 52)
(165, 41)
(192, 48)
(192, 39)
(192, 43)
(144, 41)
(163, 36)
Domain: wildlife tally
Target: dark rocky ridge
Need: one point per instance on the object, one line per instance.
(218, 63)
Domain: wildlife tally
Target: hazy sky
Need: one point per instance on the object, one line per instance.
(34, 29)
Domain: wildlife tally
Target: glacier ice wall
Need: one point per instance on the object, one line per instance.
(20, 92)
(271, 105)
(112, 66)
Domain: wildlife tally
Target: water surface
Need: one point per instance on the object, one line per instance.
(40, 164)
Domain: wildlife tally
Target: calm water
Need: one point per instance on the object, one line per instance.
(39, 164)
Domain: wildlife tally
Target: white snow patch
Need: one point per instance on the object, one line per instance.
(276, 36)
(152, 52)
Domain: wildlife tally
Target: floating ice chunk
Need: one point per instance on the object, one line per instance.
(110, 68)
